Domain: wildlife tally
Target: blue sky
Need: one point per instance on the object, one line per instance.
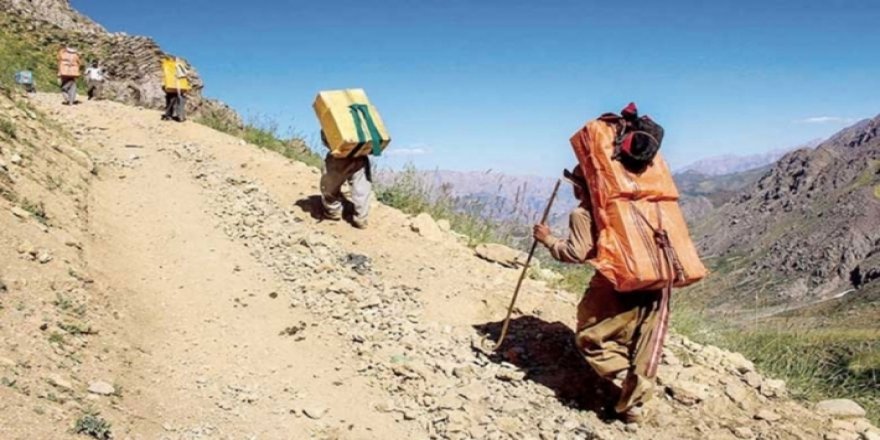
(475, 85)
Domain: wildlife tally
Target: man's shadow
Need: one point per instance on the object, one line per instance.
(547, 354)
(312, 205)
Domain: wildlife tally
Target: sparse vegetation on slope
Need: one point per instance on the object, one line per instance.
(24, 48)
(410, 193)
(816, 363)
(264, 133)
(93, 425)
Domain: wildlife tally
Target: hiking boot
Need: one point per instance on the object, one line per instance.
(360, 224)
(637, 414)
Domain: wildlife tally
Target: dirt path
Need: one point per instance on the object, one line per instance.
(202, 316)
(240, 315)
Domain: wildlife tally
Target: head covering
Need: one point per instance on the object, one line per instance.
(575, 176)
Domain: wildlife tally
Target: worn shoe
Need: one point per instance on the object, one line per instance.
(332, 215)
(637, 414)
(362, 224)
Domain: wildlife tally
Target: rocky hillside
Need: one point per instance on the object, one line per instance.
(702, 193)
(133, 63)
(807, 229)
(171, 281)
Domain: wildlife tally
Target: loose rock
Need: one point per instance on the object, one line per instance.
(424, 225)
(101, 388)
(501, 254)
(314, 411)
(686, 393)
(840, 408)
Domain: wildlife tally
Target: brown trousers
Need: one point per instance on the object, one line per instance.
(614, 332)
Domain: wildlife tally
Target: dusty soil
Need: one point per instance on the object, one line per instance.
(221, 307)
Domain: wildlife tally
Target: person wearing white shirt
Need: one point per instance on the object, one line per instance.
(95, 78)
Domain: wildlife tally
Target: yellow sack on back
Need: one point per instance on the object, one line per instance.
(352, 126)
(175, 75)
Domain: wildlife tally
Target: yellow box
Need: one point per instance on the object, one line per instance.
(174, 75)
(345, 117)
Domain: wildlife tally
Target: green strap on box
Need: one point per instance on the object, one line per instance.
(356, 111)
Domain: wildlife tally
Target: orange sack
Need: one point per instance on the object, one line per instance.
(630, 211)
(68, 63)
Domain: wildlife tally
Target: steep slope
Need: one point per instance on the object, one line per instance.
(133, 63)
(806, 230)
(221, 308)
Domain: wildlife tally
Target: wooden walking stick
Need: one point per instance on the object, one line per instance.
(522, 276)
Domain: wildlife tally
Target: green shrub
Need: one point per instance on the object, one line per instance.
(37, 209)
(7, 127)
(92, 424)
(56, 338)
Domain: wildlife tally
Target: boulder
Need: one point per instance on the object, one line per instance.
(870, 435)
(58, 382)
(101, 388)
(840, 408)
(773, 388)
(766, 414)
(753, 379)
(686, 392)
(424, 225)
(743, 432)
(444, 225)
(501, 254)
(314, 411)
(737, 393)
(739, 363)
(20, 213)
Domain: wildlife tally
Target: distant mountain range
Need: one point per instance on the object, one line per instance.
(732, 163)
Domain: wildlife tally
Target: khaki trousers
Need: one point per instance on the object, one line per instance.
(614, 331)
(68, 89)
(95, 89)
(356, 171)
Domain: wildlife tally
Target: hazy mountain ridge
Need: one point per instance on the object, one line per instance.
(733, 163)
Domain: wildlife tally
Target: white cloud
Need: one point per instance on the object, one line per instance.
(825, 120)
(408, 151)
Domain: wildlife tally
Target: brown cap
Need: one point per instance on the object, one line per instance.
(576, 176)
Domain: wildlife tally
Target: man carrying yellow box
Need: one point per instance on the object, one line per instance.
(352, 130)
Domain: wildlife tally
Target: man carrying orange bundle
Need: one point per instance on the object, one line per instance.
(629, 227)
(68, 73)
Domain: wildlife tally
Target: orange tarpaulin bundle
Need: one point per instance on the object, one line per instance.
(68, 63)
(633, 210)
